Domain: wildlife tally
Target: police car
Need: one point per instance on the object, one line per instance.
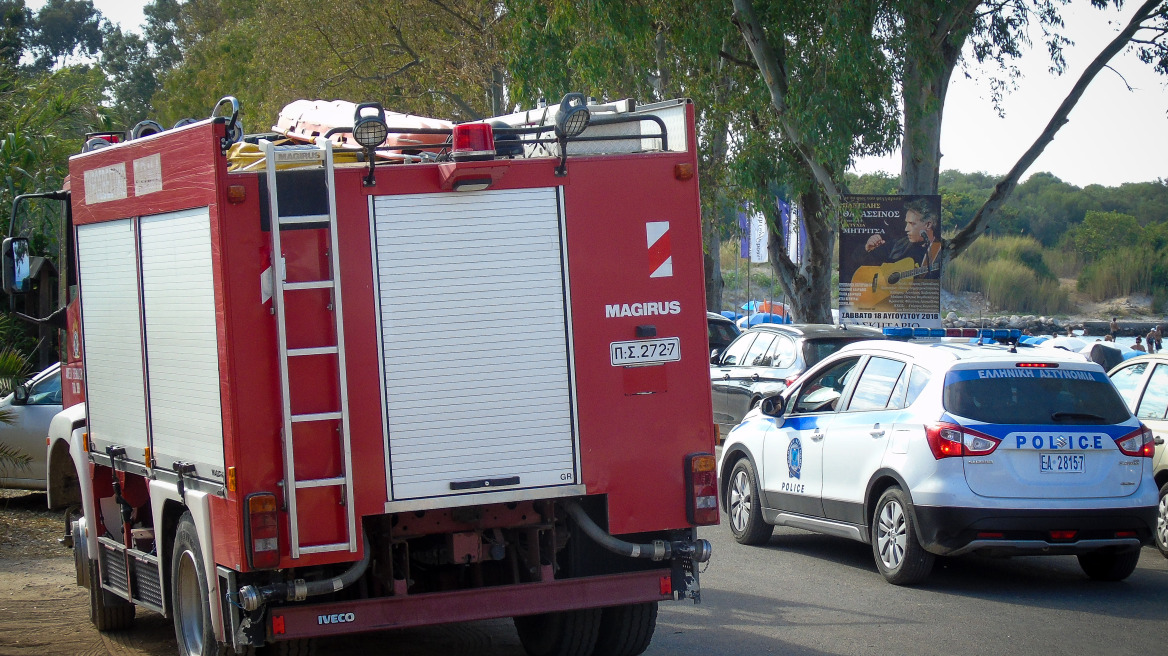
(945, 449)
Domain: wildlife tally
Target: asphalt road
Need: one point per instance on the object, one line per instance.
(810, 594)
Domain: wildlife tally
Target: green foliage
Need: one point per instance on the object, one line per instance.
(1101, 232)
(1140, 268)
(1008, 285)
(64, 28)
(1012, 273)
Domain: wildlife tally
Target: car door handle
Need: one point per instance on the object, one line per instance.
(877, 433)
(754, 376)
(725, 376)
(817, 435)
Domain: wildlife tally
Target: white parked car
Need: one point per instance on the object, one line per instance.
(1143, 384)
(945, 449)
(33, 404)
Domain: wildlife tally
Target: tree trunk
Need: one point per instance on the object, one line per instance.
(924, 87)
(808, 285)
(713, 265)
(924, 103)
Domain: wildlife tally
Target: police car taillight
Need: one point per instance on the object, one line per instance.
(1139, 443)
(263, 531)
(701, 484)
(948, 440)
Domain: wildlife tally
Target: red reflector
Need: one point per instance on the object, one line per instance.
(1125, 534)
(473, 142)
(278, 624)
(1037, 365)
(1063, 535)
(986, 535)
(263, 531)
(666, 584)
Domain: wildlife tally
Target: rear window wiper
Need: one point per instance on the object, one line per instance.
(1076, 415)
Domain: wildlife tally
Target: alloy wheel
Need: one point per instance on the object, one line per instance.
(890, 535)
(740, 502)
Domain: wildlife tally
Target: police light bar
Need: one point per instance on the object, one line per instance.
(984, 333)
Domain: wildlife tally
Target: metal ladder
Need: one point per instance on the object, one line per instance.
(274, 155)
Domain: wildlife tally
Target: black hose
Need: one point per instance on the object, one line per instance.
(698, 550)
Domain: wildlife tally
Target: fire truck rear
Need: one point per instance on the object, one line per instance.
(334, 387)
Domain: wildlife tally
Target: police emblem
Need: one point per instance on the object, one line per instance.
(794, 457)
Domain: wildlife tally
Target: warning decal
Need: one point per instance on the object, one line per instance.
(660, 255)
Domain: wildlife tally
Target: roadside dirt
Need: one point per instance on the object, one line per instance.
(43, 612)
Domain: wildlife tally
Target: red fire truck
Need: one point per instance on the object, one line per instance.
(330, 387)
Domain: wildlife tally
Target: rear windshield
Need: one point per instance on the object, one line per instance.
(815, 350)
(1033, 396)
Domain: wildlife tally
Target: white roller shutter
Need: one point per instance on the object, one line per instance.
(111, 324)
(181, 340)
(478, 386)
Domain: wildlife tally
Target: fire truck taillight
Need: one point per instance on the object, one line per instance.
(263, 531)
(473, 142)
(701, 484)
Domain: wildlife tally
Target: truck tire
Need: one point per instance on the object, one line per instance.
(188, 593)
(107, 611)
(566, 633)
(626, 630)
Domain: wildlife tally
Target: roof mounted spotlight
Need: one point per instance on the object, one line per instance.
(571, 120)
(369, 130)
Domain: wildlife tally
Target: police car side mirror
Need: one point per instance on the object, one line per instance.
(714, 353)
(773, 406)
(20, 395)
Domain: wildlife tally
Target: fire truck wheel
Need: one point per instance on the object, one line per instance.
(107, 611)
(626, 630)
(567, 633)
(745, 506)
(188, 593)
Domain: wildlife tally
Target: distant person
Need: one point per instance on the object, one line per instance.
(1150, 340)
(1159, 339)
(1109, 338)
(1113, 328)
(1138, 346)
(1070, 332)
(921, 231)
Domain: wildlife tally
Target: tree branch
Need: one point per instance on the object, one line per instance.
(775, 78)
(741, 62)
(980, 221)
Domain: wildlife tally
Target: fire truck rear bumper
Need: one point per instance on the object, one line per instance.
(344, 617)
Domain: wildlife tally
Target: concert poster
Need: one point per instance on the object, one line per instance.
(889, 264)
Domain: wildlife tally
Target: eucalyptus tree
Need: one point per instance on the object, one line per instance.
(830, 65)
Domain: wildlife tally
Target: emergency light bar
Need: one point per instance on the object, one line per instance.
(985, 333)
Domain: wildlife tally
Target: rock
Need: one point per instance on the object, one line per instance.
(952, 316)
(1014, 322)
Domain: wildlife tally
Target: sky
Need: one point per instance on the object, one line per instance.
(1115, 135)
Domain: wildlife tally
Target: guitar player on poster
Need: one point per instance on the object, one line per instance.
(920, 242)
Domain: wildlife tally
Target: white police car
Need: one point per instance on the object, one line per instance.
(946, 449)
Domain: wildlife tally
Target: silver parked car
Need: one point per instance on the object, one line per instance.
(33, 404)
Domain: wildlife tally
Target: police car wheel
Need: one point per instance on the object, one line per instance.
(1109, 566)
(1162, 522)
(745, 507)
(899, 555)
